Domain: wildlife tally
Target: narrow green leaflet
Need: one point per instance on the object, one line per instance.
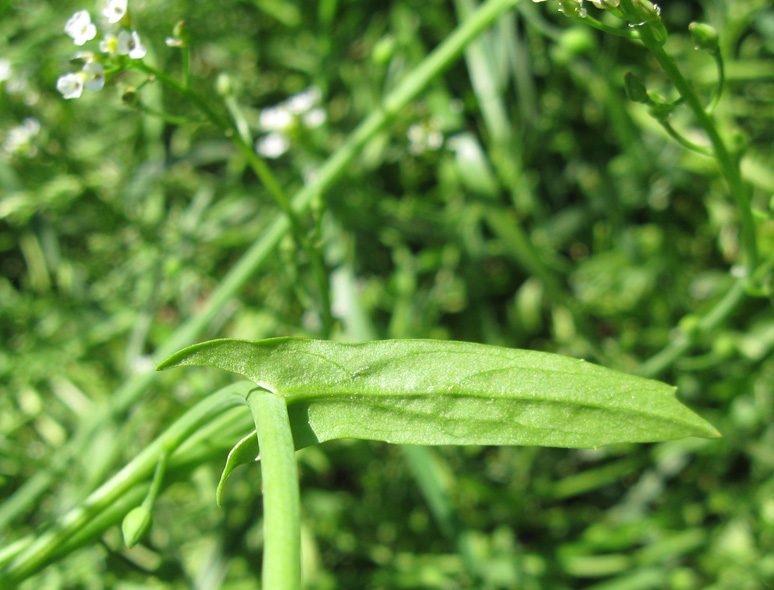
(245, 451)
(431, 392)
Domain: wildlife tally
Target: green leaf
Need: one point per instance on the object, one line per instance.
(436, 393)
(245, 451)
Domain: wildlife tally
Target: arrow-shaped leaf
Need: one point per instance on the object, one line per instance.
(437, 392)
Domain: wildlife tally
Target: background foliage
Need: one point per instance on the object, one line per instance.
(540, 211)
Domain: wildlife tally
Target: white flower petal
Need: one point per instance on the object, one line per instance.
(80, 27)
(95, 76)
(315, 118)
(275, 118)
(5, 69)
(130, 44)
(272, 145)
(138, 49)
(70, 85)
(303, 101)
(114, 10)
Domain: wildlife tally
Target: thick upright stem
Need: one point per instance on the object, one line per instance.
(281, 495)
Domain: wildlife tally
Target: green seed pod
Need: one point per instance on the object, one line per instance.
(705, 37)
(635, 89)
(129, 96)
(136, 523)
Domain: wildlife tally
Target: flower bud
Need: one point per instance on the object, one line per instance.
(224, 85)
(724, 346)
(705, 37)
(136, 523)
(690, 324)
(635, 89)
(660, 108)
(181, 32)
(572, 8)
(647, 11)
(384, 50)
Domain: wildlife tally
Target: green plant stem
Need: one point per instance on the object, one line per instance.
(158, 478)
(46, 545)
(171, 119)
(238, 133)
(281, 493)
(729, 167)
(431, 471)
(592, 22)
(721, 82)
(684, 141)
(658, 363)
(330, 172)
(185, 58)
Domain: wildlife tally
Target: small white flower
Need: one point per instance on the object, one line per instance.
(315, 118)
(424, 136)
(71, 85)
(109, 44)
(272, 145)
(114, 10)
(275, 118)
(95, 76)
(80, 27)
(31, 126)
(5, 69)
(130, 44)
(303, 101)
(20, 139)
(174, 42)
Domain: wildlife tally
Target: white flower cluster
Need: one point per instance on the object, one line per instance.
(278, 121)
(20, 140)
(81, 29)
(425, 136)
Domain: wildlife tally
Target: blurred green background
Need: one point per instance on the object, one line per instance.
(522, 201)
